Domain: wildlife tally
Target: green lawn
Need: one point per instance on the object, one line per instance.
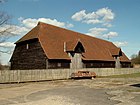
(134, 75)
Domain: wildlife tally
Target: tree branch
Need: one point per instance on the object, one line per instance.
(6, 30)
(7, 52)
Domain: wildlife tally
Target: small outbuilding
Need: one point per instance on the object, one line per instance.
(51, 47)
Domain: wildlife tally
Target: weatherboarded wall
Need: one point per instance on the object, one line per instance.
(7, 76)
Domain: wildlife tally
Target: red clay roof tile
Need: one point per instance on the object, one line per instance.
(52, 39)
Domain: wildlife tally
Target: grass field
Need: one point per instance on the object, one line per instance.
(134, 75)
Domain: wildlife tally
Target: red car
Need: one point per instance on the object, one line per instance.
(83, 74)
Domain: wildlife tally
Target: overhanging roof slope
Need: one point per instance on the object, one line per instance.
(52, 39)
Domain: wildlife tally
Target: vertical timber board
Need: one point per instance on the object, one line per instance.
(31, 58)
(46, 74)
(76, 61)
(117, 62)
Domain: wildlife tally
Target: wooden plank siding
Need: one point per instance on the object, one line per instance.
(58, 64)
(99, 64)
(28, 55)
(104, 64)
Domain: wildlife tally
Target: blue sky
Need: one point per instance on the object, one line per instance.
(115, 20)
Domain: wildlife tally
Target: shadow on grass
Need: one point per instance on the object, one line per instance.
(136, 85)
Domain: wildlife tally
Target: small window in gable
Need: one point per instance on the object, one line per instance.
(27, 46)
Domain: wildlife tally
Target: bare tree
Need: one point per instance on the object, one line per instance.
(6, 29)
(136, 58)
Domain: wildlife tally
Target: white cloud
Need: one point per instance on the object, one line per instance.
(6, 28)
(69, 25)
(27, 24)
(79, 15)
(92, 21)
(110, 35)
(107, 24)
(6, 50)
(13, 29)
(20, 19)
(96, 31)
(4, 59)
(91, 15)
(7, 44)
(20, 30)
(52, 21)
(103, 15)
(106, 14)
(120, 44)
(101, 32)
(31, 22)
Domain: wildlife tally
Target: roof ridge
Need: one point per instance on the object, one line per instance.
(42, 23)
(39, 28)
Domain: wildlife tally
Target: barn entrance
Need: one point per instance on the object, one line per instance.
(76, 55)
(76, 61)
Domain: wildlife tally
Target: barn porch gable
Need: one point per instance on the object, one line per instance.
(75, 50)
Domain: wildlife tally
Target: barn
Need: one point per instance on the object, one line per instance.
(51, 47)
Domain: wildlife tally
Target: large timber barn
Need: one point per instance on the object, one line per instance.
(51, 47)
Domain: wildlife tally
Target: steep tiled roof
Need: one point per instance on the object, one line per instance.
(52, 40)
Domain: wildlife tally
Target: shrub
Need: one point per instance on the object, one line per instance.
(136, 58)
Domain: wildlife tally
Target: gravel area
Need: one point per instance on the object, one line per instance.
(99, 91)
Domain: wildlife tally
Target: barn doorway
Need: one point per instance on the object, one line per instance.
(76, 61)
(76, 56)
